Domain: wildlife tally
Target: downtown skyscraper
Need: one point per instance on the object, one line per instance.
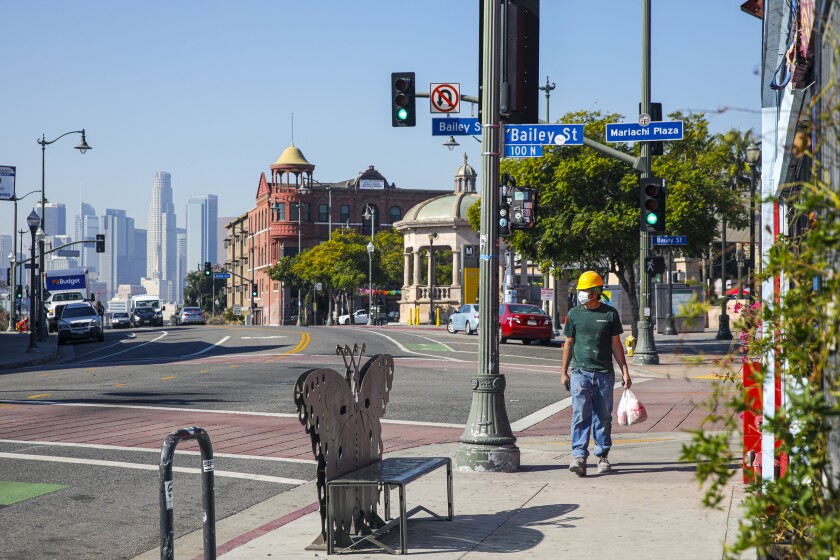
(202, 230)
(161, 247)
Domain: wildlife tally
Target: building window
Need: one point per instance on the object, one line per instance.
(307, 212)
(293, 212)
(323, 213)
(280, 214)
(396, 214)
(345, 213)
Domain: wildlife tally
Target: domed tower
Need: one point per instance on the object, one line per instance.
(436, 231)
(291, 162)
(465, 178)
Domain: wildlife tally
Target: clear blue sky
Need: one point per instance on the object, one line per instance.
(205, 89)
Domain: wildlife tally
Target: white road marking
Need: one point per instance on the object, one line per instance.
(404, 349)
(206, 349)
(550, 410)
(135, 347)
(205, 411)
(156, 450)
(261, 337)
(139, 466)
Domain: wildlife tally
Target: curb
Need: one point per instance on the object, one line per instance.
(33, 362)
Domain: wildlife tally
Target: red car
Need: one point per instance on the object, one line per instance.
(524, 322)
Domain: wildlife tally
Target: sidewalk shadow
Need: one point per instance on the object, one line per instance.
(517, 530)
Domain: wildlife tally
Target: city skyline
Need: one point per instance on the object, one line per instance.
(188, 105)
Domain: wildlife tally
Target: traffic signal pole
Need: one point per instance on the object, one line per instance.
(488, 443)
(645, 353)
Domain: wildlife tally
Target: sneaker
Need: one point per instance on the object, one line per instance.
(604, 465)
(578, 466)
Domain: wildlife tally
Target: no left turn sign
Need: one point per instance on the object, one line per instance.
(445, 98)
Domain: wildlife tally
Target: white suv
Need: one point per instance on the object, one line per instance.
(79, 320)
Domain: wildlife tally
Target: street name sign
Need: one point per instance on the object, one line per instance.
(67, 253)
(7, 182)
(670, 240)
(455, 127)
(218, 275)
(544, 135)
(655, 131)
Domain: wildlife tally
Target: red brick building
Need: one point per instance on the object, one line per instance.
(292, 206)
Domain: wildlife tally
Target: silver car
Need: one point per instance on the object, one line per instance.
(465, 319)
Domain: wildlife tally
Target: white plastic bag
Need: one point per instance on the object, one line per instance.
(630, 409)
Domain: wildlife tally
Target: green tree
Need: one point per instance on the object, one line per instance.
(588, 211)
(389, 245)
(198, 291)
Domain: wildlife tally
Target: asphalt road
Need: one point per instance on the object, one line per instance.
(107, 503)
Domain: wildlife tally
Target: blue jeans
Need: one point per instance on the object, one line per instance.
(592, 404)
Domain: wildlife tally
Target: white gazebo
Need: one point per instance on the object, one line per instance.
(429, 228)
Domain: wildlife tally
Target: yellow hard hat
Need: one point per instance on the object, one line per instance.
(589, 279)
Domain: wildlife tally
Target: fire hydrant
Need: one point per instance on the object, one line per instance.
(630, 343)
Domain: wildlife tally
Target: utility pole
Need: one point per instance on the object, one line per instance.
(488, 443)
(547, 88)
(645, 353)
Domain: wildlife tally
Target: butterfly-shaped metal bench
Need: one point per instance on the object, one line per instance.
(342, 416)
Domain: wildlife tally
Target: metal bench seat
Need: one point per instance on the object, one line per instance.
(385, 474)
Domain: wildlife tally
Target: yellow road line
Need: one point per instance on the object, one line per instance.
(233, 366)
(203, 370)
(38, 396)
(305, 338)
(43, 375)
(120, 385)
(166, 378)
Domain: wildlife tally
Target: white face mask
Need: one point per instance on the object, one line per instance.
(583, 297)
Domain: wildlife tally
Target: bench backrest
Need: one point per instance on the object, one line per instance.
(341, 414)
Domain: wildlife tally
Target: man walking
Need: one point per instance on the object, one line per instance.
(592, 340)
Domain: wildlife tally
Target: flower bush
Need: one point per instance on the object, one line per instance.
(750, 326)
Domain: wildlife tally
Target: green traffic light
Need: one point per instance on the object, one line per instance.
(651, 219)
(402, 113)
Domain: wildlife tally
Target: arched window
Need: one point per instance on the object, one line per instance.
(396, 214)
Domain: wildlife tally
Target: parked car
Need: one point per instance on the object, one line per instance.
(120, 320)
(465, 319)
(190, 316)
(360, 317)
(525, 322)
(79, 321)
(144, 316)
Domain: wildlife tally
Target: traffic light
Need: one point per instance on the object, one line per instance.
(18, 292)
(208, 269)
(254, 291)
(403, 102)
(504, 218)
(652, 195)
(100, 242)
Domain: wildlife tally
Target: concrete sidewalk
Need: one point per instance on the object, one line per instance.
(13, 350)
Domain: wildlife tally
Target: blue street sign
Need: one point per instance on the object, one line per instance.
(634, 132)
(523, 151)
(670, 240)
(544, 135)
(455, 127)
(221, 275)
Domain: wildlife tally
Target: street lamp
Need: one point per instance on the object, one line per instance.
(370, 214)
(39, 237)
(753, 154)
(723, 325)
(83, 147)
(451, 143)
(330, 321)
(15, 249)
(12, 302)
(432, 237)
(20, 271)
(34, 221)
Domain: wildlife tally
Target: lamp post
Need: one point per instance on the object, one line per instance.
(723, 325)
(34, 221)
(83, 148)
(547, 89)
(330, 321)
(39, 237)
(370, 214)
(753, 154)
(299, 206)
(20, 272)
(12, 302)
(432, 237)
(15, 250)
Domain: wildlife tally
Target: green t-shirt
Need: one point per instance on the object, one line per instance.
(593, 330)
